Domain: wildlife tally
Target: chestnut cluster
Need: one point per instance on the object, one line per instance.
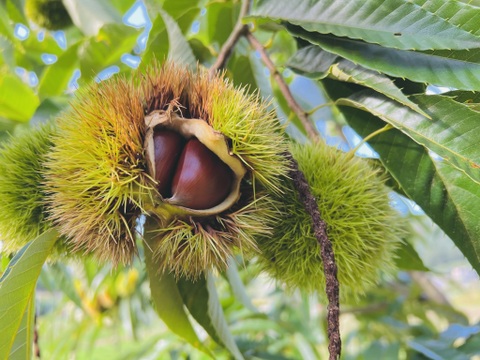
(188, 173)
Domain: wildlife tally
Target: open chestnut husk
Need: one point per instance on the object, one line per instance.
(127, 150)
(192, 164)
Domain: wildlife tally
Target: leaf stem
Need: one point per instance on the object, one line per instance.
(370, 136)
(321, 106)
(312, 132)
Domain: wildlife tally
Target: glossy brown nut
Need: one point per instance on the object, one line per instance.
(201, 180)
(168, 147)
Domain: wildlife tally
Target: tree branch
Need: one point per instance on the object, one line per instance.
(319, 226)
(36, 346)
(328, 258)
(239, 30)
(292, 103)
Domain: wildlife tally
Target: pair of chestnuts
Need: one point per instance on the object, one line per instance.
(195, 171)
(188, 173)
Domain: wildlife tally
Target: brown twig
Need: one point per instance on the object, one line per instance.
(239, 30)
(328, 258)
(292, 103)
(36, 346)
(319, 226)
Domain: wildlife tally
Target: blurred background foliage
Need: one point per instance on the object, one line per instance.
(428, 310)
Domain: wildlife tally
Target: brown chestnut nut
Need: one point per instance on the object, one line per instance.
(168, 147)
(201, 180)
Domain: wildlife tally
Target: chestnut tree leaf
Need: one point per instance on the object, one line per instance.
(221, 19)
(166, 41)
(456, 68)
(22, 346)
(449, 197)
(311, 60)
(451, 132)
(33, 50)
(201, 299)
(158, 42)
(17, 287)
(393, 23)
(106, 48)
(458, 13)
(468, 98)
(238, 288)
(408, 259)
(183, 12)
(6, 30)
(168, 302)
(179, 50)
(443, 347)
(17, 100)
(55, 77)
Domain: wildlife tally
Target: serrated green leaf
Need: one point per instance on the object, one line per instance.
(17, 100)
(166, 41)
(22, 346)
(282, 46)
(16, 12)
(241, 72)
(457, 331)
(436, 349)
(6, 28)
(221, 20)
(158, 43)
(408, 259)
(106, 48)
(169, 305)
(392, 23)
(449, 197)
(445, 194)
(167, 299)
(238, 288)
(452, 132)
(345, 70)
(460, 69)
(248, 70)
(179, 50)
(380, 350)
(201, 299)
(55, 78)
(182, 11)
(468, 98)
(465, 16)
(313, 62)
(471, 347)
(17, 286)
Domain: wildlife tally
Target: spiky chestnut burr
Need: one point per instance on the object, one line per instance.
(48, 14)
(113, 161)
(22, 194)
(242, 141)
(96, 170)
(354, 203)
